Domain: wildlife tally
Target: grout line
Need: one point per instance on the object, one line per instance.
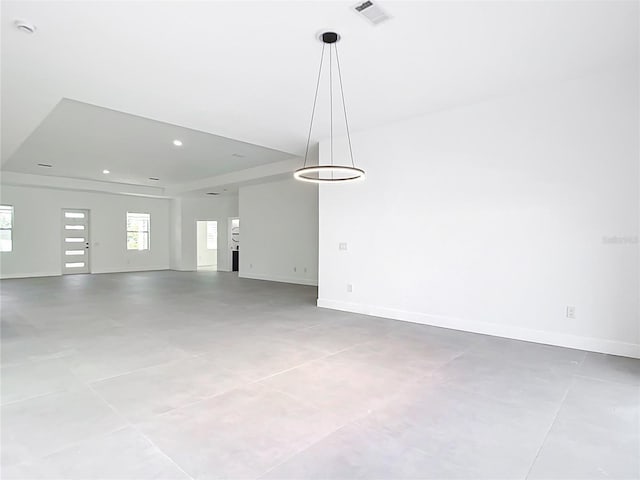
(605, 380)
(90, 437)
(307, 447)
(133, 426)
(555, 418)
(584, 358)
(251, 381)
(135, 370)
(163, 453)
(33, 397)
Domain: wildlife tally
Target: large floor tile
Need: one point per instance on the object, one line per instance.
(463, 435)
(347, 383)
(596, 434)
(108, 356)
(22, 349)
(404, 355)
(527, 353)
(239, 434)
(27, 380)
(155, 390)
(535, 385)
(355, 452)
(256, 356)
(611, 367)
(42, 425)
(334, 336)
(121, 455)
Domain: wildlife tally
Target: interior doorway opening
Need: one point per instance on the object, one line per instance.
(234, 243)
(207, 245)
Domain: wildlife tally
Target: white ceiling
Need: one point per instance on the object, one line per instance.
(247, 70)
(81, 140)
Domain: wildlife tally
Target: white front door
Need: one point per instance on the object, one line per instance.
(75, 241)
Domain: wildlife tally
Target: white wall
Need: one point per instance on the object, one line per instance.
(185, 212)
(279, 232)
(495, 217)
(37, 231)
(207, 257)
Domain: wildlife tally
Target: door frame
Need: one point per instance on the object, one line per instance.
(217, 242)
(86, 245)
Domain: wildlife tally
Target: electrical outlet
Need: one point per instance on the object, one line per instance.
(349, 288)
(571, 311)
(342, 246)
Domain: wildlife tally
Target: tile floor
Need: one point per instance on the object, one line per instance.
(203, 375)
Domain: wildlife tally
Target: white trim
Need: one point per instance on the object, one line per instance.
(271, 278)
(65, 183)
(599, 345)
(58, 274)
(29, 275)
(133, 270)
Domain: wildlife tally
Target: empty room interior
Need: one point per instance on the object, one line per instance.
(320, 239)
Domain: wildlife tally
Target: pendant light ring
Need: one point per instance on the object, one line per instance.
(312, 174)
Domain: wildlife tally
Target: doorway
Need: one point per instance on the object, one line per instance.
(207, 245)
(234, 243)
(75, 241)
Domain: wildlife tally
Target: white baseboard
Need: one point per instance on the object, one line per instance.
(599, 345)
(29, 275)
(58, 274)
(133, 270)
(272, 278)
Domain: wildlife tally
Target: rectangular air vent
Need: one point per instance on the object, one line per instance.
(371, 12)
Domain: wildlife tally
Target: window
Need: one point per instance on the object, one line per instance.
(138, 231)
(6, 228)
(212, 235)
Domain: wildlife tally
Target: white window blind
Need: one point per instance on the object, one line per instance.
(138, 231)
(6, 228)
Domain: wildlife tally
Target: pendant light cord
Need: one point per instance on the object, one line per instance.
(313, 111)
(344, 108)
(331, 101)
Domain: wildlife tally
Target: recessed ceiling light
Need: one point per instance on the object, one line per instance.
(154, 178)
(106, 172)
(45, 165)
(177, 143)
(25, 26)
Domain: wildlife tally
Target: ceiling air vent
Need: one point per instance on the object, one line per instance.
(371, 12)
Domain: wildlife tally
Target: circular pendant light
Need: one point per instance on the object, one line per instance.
(329, 173)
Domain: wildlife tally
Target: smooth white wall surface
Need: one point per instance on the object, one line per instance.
(185, 212)
(207, 257)
(37, 236)
(279, 231)
(495, 217)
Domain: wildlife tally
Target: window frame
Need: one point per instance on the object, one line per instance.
(12, 210)
(147, 231)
